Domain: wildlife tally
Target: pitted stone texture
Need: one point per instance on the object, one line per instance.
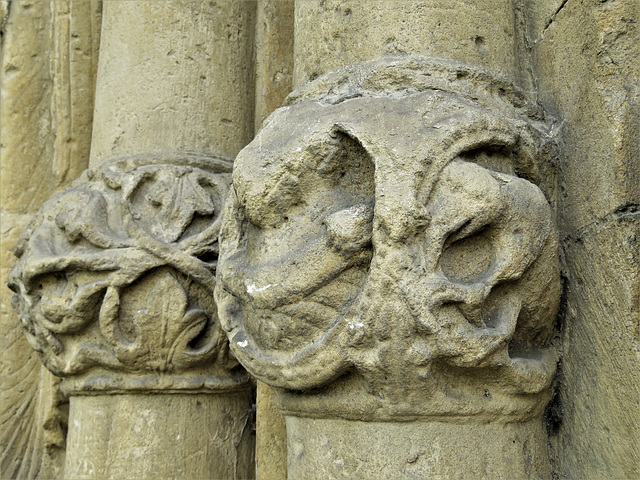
(182, 435)
(416, 450)
(334, 33)
(380, 230)
(116, 277)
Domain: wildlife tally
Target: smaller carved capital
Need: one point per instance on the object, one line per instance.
(114, 286)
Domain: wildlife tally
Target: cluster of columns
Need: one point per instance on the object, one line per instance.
(178, 78)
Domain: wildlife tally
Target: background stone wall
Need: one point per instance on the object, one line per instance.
(577, 58)
(587, 74)
(49, 61)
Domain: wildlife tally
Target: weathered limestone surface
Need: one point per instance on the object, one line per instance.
(271, 436)
(161, 437)
(274, 56)
(49, 58)
(273, 78)
(117, 272)
(379, 246)
(335, 33)
(189, 78)
(586, 64)
(415, 450)
(179, 89)
(321, 215)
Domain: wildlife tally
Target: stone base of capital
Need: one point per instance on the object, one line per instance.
(104, 382)
(458, 448)
(152, 436)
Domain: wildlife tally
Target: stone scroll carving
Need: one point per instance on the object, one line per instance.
(389, 249)
(116, 277)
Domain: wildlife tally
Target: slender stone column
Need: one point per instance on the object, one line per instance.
(174, 76)
(335, 33)
(116, 277)
(273, 76)
(388, 251)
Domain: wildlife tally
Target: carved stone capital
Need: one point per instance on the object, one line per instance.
(388, 245)
(116, 277)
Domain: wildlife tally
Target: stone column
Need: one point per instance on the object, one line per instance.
(116, 274)
(48, 47)
(273, 76)
(334, 33)
(388, 251)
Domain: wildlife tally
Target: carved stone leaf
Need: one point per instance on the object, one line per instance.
(167, 302)
(163, 327)
(103, 244)
(179, 198)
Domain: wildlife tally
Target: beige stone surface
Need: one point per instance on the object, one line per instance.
(588, 77)
(271, 436)
(175, 83)
(335, 33)
(601, 379)
(32, 412)
(329, 35)
(27, 130)
(273, 78)
(586, 62)
(382, 261)
(77, 25)
(577, 58)
(274, 56)
(49, 55)
(416, 450)
(173, 437)
(116, 274)
(115, 277)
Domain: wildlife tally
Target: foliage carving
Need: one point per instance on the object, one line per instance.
(118, 271)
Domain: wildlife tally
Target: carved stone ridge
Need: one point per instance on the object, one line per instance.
(388, 248)
(114, 286)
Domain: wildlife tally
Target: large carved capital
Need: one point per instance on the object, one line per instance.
(388, 245)
(116, 277)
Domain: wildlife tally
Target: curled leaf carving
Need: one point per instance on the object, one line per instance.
(118, 271)
(400, 244)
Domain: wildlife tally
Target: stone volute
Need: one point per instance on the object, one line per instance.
(389, 262)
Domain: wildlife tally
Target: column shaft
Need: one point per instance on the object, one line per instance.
(173, 436)
(174, 76)
(174, 81)
(335, 33)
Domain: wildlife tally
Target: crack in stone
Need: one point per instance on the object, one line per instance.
(5, 10)
(551, 19)
(629, 210)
